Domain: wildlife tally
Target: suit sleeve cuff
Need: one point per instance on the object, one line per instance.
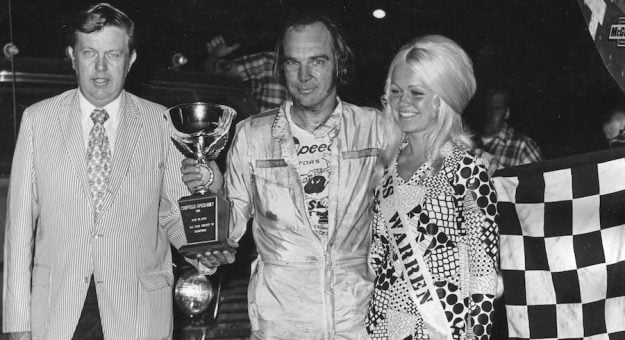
(202, 269)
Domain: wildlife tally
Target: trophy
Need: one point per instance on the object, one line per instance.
(200, 131)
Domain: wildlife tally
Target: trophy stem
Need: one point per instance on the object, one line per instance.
(205, 170)
(202, 190)
(199, 150)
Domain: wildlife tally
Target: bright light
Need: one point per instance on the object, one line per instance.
(379, 13)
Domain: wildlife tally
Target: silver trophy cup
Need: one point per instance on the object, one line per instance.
(200, 131)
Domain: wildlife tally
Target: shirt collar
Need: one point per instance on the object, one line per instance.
(111, 108)
(505, 132)
(502, 135)
(328, 128)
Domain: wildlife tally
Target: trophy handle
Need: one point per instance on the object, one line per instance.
(183, 147)
(213, 150)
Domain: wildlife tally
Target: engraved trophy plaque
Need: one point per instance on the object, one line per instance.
(200, 131)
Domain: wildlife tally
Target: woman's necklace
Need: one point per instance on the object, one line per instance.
(411, 168)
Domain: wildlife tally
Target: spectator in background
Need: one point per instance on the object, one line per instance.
(257, 69)
(613, 125)
(508, 146)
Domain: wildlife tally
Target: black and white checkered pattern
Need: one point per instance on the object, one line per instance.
(563, 247)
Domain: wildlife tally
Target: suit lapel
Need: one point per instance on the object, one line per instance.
(129, 130)
(71, 130)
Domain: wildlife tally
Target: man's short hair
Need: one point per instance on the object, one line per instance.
(95, 17)
(343, 56)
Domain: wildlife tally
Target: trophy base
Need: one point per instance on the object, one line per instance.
(191, 250)
(205, 219)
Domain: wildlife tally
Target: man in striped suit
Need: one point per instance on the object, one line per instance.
(93, 202)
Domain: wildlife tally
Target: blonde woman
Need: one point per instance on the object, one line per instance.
(435, 238)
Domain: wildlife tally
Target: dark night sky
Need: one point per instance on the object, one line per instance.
(542, 49)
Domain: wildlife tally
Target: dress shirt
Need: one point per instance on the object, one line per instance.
(110, 125)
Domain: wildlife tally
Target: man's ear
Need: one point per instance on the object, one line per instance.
(133, 57)
(507, 115)
(70, 53)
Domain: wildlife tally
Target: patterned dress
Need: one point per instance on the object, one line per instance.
(447, 221)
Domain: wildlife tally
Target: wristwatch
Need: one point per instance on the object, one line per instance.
(222, 65)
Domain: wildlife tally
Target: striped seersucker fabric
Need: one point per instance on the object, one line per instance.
(51, 226)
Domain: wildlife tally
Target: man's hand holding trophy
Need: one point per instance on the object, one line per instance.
(200, 132)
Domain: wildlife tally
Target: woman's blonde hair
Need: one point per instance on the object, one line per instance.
(445, 68)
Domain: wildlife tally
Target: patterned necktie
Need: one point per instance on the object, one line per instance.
(98, 158)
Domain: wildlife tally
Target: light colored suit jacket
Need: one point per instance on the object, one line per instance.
(53, 244)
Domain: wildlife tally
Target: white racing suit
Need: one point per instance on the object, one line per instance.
(303, 286)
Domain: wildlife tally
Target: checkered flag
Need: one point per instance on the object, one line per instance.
(562, 226)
